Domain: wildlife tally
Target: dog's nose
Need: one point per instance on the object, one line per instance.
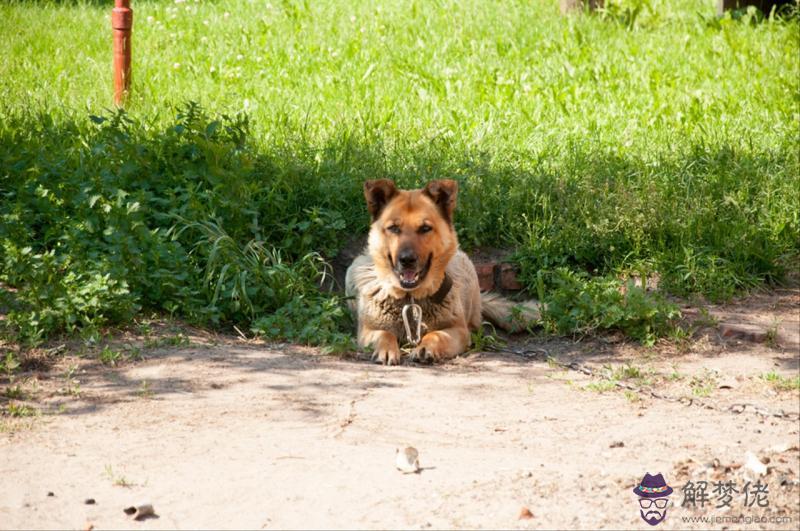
(407, 258)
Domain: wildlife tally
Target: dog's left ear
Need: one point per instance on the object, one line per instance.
(443, 192)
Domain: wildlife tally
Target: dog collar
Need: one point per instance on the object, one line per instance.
(436, 298)
(444, 289)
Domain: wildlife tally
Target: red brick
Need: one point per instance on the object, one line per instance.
(752, 333)
(508, 278)
(485, 275)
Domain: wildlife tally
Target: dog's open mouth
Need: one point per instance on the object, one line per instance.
(410, 278)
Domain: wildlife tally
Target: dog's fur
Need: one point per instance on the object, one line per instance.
(412, 245)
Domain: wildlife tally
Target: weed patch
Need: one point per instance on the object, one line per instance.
(780, 382)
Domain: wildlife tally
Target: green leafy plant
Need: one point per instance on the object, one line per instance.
(703, 385)
(109, 356)
(485, 337)
(9, 364)
(14, 392)
(577, 303)
(14, 409)
(242, 281)
(314, 320)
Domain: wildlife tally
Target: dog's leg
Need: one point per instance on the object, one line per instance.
(442, 345)
(384, 344)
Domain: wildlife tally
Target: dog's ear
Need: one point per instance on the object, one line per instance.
(378, 193)
(443, 192)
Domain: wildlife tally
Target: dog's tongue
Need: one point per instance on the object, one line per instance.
(408, 275)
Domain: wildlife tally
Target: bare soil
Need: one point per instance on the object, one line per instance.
(224, 432)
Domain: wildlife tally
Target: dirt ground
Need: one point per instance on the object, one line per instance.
(222, 432)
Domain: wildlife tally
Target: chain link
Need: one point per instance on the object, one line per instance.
(736, 409)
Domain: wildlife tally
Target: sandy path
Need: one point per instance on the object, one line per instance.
(236, 436)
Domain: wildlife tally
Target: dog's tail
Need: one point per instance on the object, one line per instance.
(509, 315)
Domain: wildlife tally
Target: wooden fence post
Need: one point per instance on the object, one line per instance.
(121, 25)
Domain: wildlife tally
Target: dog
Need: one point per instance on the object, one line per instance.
(412, 262)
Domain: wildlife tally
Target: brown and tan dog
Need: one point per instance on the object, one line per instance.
(412, 256)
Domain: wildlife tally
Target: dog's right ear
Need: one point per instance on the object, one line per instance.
(378, 193)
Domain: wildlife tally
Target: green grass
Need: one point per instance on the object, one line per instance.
(651, 138)
(603, 386)
(116, 479)
(703, 385)
(20, 410)
(109, 356)
(14, 393)
(622, 373)
(782, 383)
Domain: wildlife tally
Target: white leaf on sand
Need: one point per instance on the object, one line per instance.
(753, 464)
(407, 460)
(140, 511)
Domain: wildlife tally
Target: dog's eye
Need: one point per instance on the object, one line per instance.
(394, 229)
(425, 228)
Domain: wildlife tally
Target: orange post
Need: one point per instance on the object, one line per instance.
(121, 24)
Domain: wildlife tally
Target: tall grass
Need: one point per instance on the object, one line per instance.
(652, 137)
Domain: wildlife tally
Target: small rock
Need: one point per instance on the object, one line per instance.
(89, 501)
(727, 384)
(525, 514)
(786, 481)
(50, 494)
(407, 460)
(616, 444)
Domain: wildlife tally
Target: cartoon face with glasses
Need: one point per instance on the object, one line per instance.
(653, 492)
(651, 509)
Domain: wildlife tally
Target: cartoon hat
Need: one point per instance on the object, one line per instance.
(653, 487)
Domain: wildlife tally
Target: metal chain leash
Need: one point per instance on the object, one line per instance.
(735, 409)
(412, 312)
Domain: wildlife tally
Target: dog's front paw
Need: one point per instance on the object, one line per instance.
(387, 356)
(385, 348)
(434, 347)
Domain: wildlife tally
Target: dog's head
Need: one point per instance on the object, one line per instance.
(412, 238)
